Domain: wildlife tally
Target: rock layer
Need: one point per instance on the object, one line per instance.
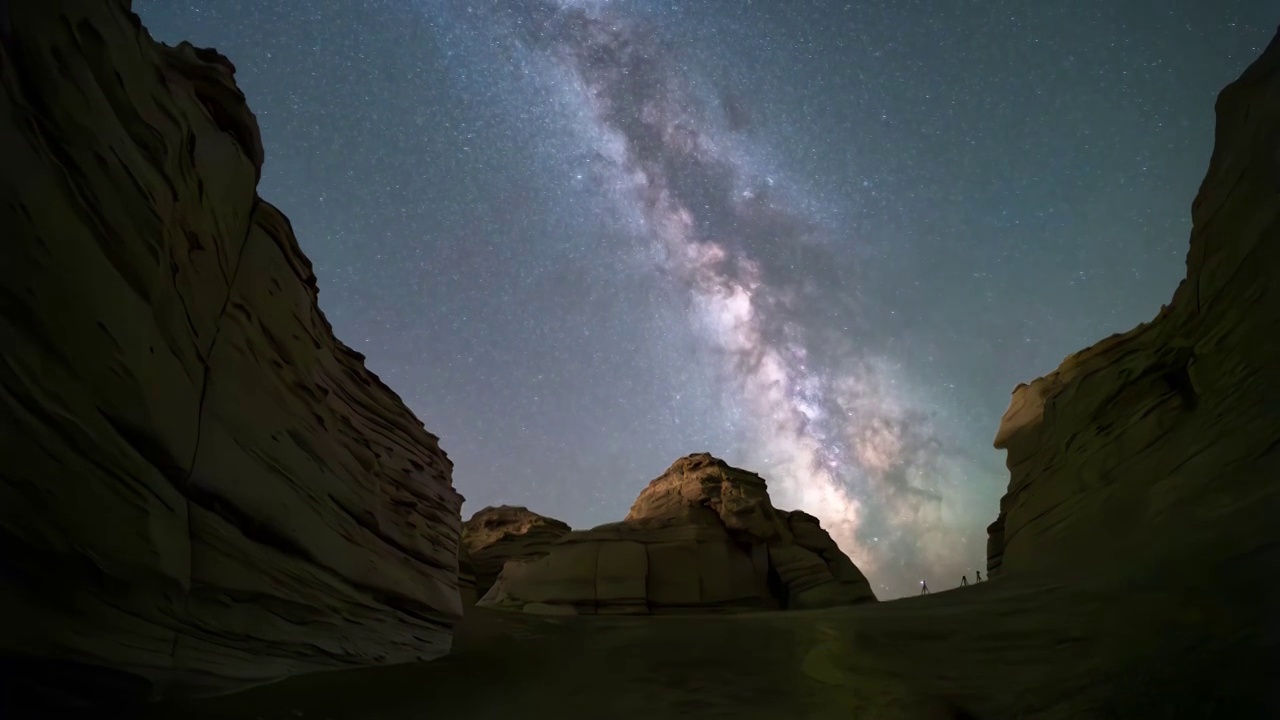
(200, 487)
(1170, 432)
(495, 535)
(702, 536)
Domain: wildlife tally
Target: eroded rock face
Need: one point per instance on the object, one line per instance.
(703, 536)
(1170, 433)
(199, 485)
(495, 535)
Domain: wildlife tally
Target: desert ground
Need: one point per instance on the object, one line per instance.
(1147, 638)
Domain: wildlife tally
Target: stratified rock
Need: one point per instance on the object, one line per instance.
(1171, 430)
(200, 487)
(495, 535)
(703, 536)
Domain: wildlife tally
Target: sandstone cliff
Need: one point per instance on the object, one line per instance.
(495, 535)
(702, 536)
(199, 485)
(1170, 432)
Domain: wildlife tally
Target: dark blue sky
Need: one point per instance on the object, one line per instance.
(822, 240)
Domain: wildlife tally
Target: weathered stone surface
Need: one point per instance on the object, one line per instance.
(199, 485)
(702, 536)
(1150, 435)
(495, 535)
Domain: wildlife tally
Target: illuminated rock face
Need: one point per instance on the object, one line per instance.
(703, 536)
(1169, 434)
(495, 535)
(199, 485)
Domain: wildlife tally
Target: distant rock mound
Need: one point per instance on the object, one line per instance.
(701, 537)
(1167, 435)
(495, 535)
(201, 489)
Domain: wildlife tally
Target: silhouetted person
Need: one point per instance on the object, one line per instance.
(964, 580)
(979, 576)
(924, 588)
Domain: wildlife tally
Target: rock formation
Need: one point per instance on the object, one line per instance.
(1151, 435)
(702, 536)
(495, 535)
(200, 487)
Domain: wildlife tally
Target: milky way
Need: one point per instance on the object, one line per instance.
(820, 239)
(836, 432)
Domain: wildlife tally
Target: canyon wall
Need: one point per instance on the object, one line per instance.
(200, 487)
(1168, 436)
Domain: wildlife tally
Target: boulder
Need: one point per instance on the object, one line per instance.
(495, 535)
(703, 536)
(1167, 435)
(201, 488)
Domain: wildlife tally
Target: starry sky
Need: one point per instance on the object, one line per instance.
(821, 240)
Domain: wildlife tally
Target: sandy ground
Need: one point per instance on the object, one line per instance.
(1187, 627)
(1158, 643)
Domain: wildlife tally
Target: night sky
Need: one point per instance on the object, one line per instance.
(821, 240)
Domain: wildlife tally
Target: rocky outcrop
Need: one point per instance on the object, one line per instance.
(1171, 430)
(703, 536)
(200, 487)
(495, 535)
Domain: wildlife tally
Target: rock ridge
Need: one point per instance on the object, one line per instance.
(701, 537)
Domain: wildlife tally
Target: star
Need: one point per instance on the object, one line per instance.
(822, 240)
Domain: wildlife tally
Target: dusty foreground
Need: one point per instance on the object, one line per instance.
(1183, 638)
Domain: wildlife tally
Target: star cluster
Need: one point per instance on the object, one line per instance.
(822, 240)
